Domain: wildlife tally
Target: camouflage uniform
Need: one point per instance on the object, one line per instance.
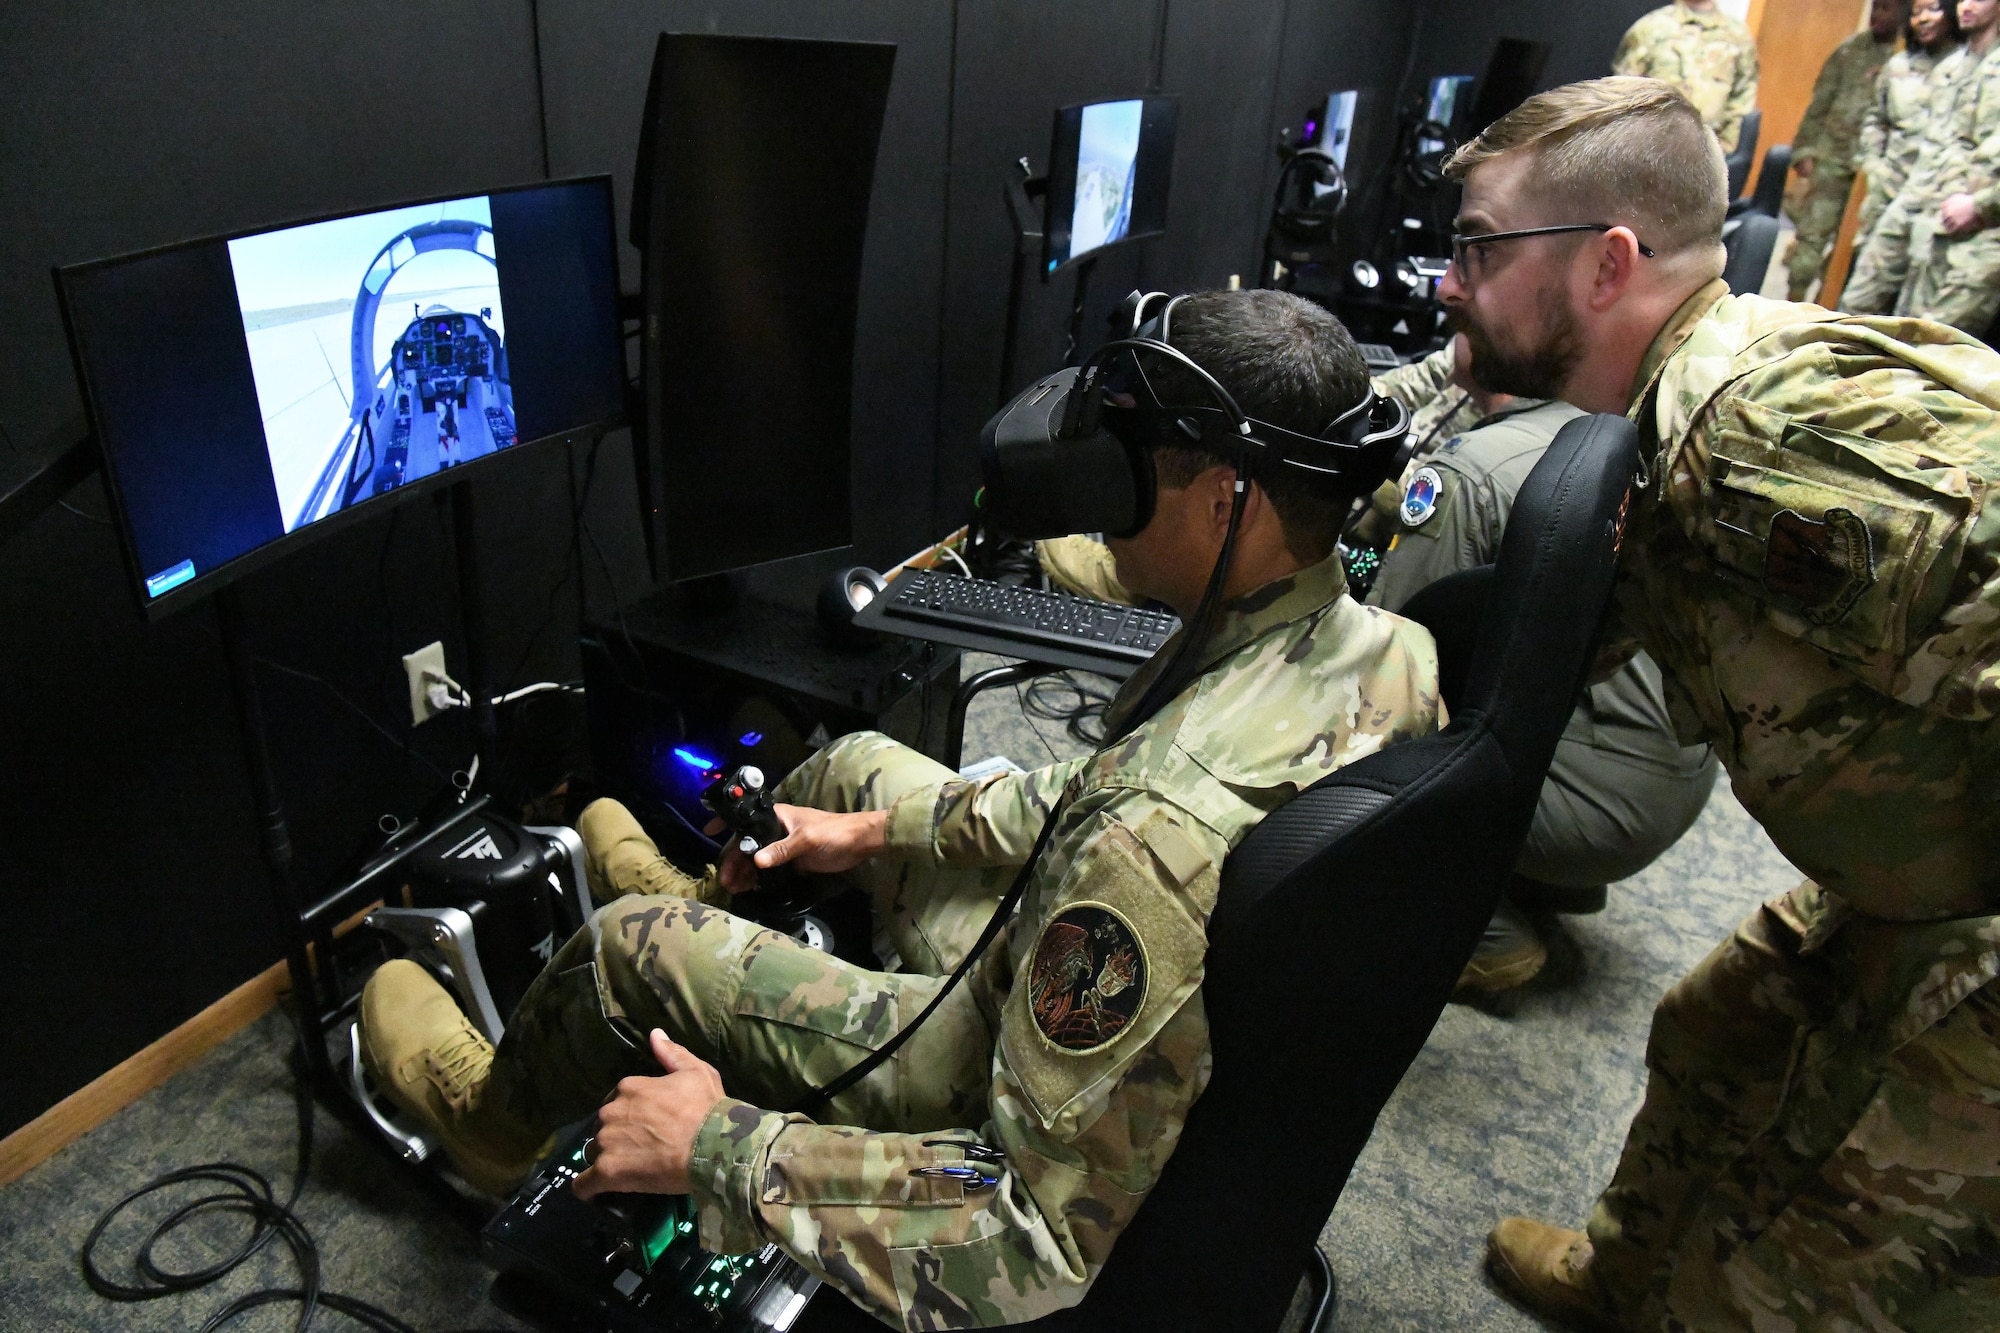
(1814, 561)
(1621, 789)
(1439, 409)
(1084, 566)
(1959, 282)
(1892, 132)
(1883, 263)
(1068, 1089)
(1709, 56)
(1828, 136)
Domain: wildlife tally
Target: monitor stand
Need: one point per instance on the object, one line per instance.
(307, 931)
(1023, 193)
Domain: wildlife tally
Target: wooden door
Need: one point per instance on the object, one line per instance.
(1794, 38)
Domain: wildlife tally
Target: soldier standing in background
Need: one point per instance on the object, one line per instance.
(1957, 281)
(1813, 559)
(1883, 261)
(1826, 146)
(1892, 132)
(1709, 56)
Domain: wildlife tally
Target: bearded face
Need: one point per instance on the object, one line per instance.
(1532, 357)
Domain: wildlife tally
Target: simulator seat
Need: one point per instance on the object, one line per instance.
(1769, 196)
(1344, 920)
(1748, 245)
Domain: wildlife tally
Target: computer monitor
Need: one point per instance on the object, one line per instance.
(1329, 127)
(1446, 104)
(252, 391)
(750, 224)
(1110, 168)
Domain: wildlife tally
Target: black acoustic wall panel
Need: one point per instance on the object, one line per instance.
(1582, 36)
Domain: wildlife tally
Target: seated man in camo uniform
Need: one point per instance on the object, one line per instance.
(981, 1176)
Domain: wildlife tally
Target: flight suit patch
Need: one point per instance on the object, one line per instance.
(1088, 978)
(1420, 497)
(1823, 566)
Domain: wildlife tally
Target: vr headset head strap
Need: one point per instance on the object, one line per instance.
(1086, 397)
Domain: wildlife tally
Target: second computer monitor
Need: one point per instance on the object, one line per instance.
(1330, 128)
(1110, 168)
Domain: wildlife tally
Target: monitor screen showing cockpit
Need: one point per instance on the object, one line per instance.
(378, 344)
(250, 387)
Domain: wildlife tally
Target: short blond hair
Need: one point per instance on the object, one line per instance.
(1623, 150)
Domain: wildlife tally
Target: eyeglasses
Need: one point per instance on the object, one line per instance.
(1461, 244)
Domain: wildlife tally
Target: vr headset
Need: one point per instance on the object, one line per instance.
(1074, 452)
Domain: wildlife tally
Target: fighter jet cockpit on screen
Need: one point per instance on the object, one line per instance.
(355, 399)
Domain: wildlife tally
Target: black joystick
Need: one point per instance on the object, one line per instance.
(742, 802)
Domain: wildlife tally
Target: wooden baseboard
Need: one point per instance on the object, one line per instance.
(121, 1085)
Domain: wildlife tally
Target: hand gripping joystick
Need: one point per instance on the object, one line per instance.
(742, 802)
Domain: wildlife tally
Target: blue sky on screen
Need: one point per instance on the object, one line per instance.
(324, 261)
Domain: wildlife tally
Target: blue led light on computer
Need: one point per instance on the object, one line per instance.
(699, 762)
(750, 738)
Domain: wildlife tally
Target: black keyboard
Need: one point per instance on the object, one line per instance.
(1379, 357)
(1028, 616)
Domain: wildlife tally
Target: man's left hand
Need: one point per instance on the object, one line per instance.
(1960, 215)
(645, 1134)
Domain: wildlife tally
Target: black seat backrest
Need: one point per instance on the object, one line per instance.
(1769, 197)
(1745, 152)
(1749, 244)
(1345, 918)
(1452, 609)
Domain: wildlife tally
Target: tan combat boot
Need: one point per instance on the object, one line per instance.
(425, 1054)
(619, 858)
(1510, 954)
(1548, 1269)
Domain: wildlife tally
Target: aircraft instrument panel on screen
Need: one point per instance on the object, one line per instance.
(378, 344)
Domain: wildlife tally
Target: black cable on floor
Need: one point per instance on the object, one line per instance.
(248, 1192)
(1066, 699)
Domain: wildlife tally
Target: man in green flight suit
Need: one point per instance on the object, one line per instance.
(1825, 149)
(1813, 558)
(1707, 54)
(1621, 789)
(981, 1175)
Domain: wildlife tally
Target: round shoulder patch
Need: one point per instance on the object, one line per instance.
(1420, 498)
(1087, 979)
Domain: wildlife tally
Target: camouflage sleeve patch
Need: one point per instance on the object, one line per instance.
(1116, 958)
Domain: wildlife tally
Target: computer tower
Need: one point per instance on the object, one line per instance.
(676, 692)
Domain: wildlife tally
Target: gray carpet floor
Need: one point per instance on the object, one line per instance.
(1516, 1108)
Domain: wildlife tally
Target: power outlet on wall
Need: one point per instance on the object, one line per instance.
(425, 669)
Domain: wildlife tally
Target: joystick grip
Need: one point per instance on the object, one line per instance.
(743, 803)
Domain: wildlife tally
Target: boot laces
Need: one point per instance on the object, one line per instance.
(458, 1066)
